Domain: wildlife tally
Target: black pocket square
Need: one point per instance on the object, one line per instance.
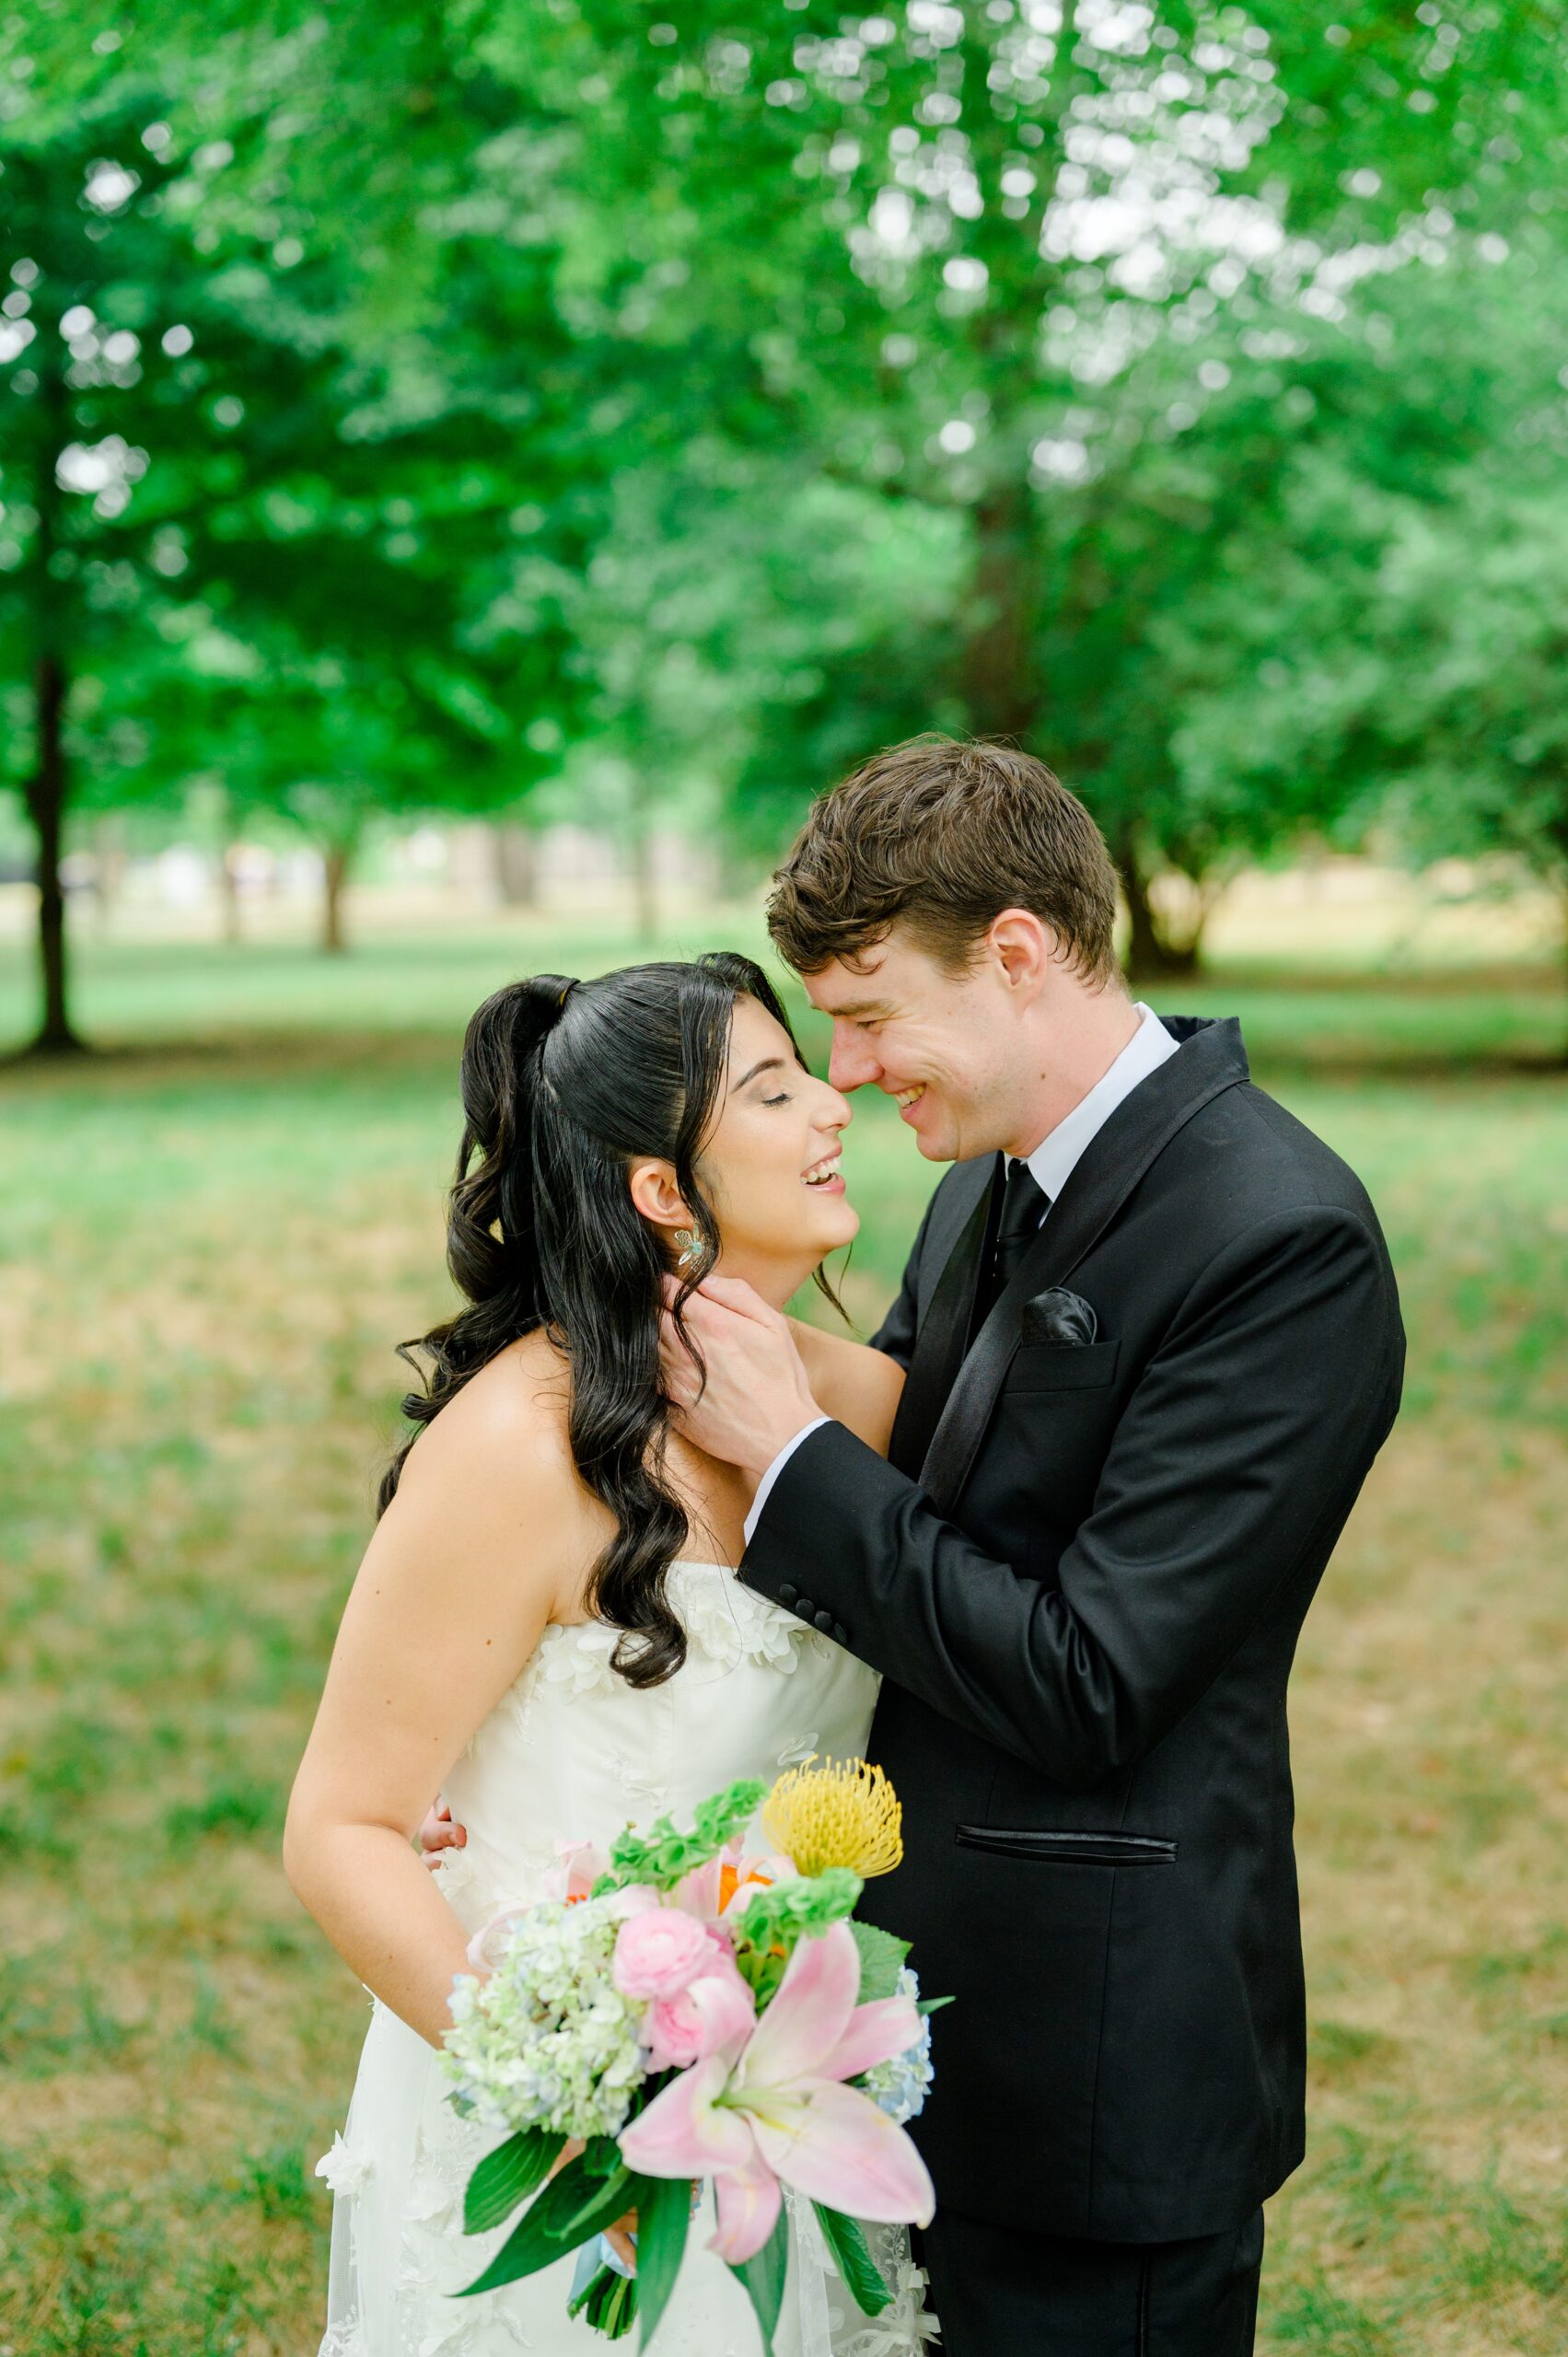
(1057, 1316)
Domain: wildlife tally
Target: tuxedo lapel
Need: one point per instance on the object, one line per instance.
(945, 1327)
(1211, 1059)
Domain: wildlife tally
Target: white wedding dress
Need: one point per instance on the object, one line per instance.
(572, 1753)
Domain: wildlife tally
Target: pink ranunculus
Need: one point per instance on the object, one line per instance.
(659, 1952)
(715, 2009)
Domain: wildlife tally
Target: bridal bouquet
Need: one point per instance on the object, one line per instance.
(681, 2012)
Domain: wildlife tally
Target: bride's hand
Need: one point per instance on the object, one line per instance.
(438, 1833)
(757, 1395)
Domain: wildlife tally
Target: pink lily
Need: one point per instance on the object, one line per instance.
(776, 2111)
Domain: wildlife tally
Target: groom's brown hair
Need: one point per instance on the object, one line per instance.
(941, 836)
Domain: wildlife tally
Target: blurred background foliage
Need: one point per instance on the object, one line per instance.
(400, 403)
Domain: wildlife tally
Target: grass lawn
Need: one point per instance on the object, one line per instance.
(211, 1237)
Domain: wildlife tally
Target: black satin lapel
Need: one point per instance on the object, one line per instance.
(1117, 1158)
(943, 1338)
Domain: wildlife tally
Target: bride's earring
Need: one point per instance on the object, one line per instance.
(689, 1249)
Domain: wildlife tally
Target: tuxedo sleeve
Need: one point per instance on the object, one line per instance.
(1235, 1460)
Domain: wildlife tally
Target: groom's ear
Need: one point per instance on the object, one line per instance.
(655, 1194)
(1024, 948)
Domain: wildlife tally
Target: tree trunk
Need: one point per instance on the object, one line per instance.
(645, 887)
(998, 678)
(334, 876)
(109, 869)
(47, 789)
(228, 892)
(640, 855)
(516, 866)
(1152, 954)
(46, 804)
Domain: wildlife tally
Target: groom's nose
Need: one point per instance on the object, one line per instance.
(851, 1062)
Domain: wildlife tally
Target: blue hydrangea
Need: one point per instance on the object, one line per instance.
(899, 2085)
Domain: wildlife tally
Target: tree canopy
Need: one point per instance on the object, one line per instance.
(398, 402)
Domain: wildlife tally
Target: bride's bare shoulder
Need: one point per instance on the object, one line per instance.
(856, 1384)
(506, 1427)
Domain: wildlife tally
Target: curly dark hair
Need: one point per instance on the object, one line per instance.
(564, 1085)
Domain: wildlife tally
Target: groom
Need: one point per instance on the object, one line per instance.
(1153, 1346)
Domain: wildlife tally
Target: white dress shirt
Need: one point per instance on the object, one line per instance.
(1052, 1164)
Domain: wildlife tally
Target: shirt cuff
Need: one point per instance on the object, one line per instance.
(765, 1485)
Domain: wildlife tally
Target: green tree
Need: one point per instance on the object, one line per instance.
(1004, 263)
(1381, 645)
(92, 294)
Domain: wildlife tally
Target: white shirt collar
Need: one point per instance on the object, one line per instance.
(1053, 1160)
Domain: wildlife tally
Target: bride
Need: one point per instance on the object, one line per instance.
(546, 1625)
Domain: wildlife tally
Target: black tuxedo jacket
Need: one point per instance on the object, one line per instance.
(1084, 1611)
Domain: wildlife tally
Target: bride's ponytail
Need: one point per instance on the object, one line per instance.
(491, 1246)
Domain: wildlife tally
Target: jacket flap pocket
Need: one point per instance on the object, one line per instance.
(1061, 1366)
(1068, 1848)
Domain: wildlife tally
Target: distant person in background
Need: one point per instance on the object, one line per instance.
(1153, 1346)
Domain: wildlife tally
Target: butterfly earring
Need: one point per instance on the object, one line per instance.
(691, 1250)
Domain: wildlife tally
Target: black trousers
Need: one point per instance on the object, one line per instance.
(1000, 2293)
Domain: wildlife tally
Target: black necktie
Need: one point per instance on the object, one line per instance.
(1024, 1204)
(944, 1336)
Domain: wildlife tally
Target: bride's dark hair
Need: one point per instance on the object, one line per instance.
(564, 1085)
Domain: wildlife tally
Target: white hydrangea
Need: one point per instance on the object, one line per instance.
(898, 2086)
(547, 2040)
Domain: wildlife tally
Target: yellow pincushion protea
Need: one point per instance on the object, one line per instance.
(843, 1813)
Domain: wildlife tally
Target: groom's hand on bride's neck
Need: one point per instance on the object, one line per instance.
(757, 1394)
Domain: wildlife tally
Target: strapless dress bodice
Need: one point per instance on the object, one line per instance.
(573, 1753)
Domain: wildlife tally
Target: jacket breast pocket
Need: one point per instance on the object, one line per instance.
(1061, 1366)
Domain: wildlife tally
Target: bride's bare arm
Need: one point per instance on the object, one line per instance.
(476, 1531)
(851, 1382)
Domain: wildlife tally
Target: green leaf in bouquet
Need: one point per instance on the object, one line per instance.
(602, 2156)
(882, 1958)
(932, 2004)
(604, 2200)
(529, 2247)
(664, 2213)
(764, 2276)
(506, 2177)
(571, 2209)
(846, 2239)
